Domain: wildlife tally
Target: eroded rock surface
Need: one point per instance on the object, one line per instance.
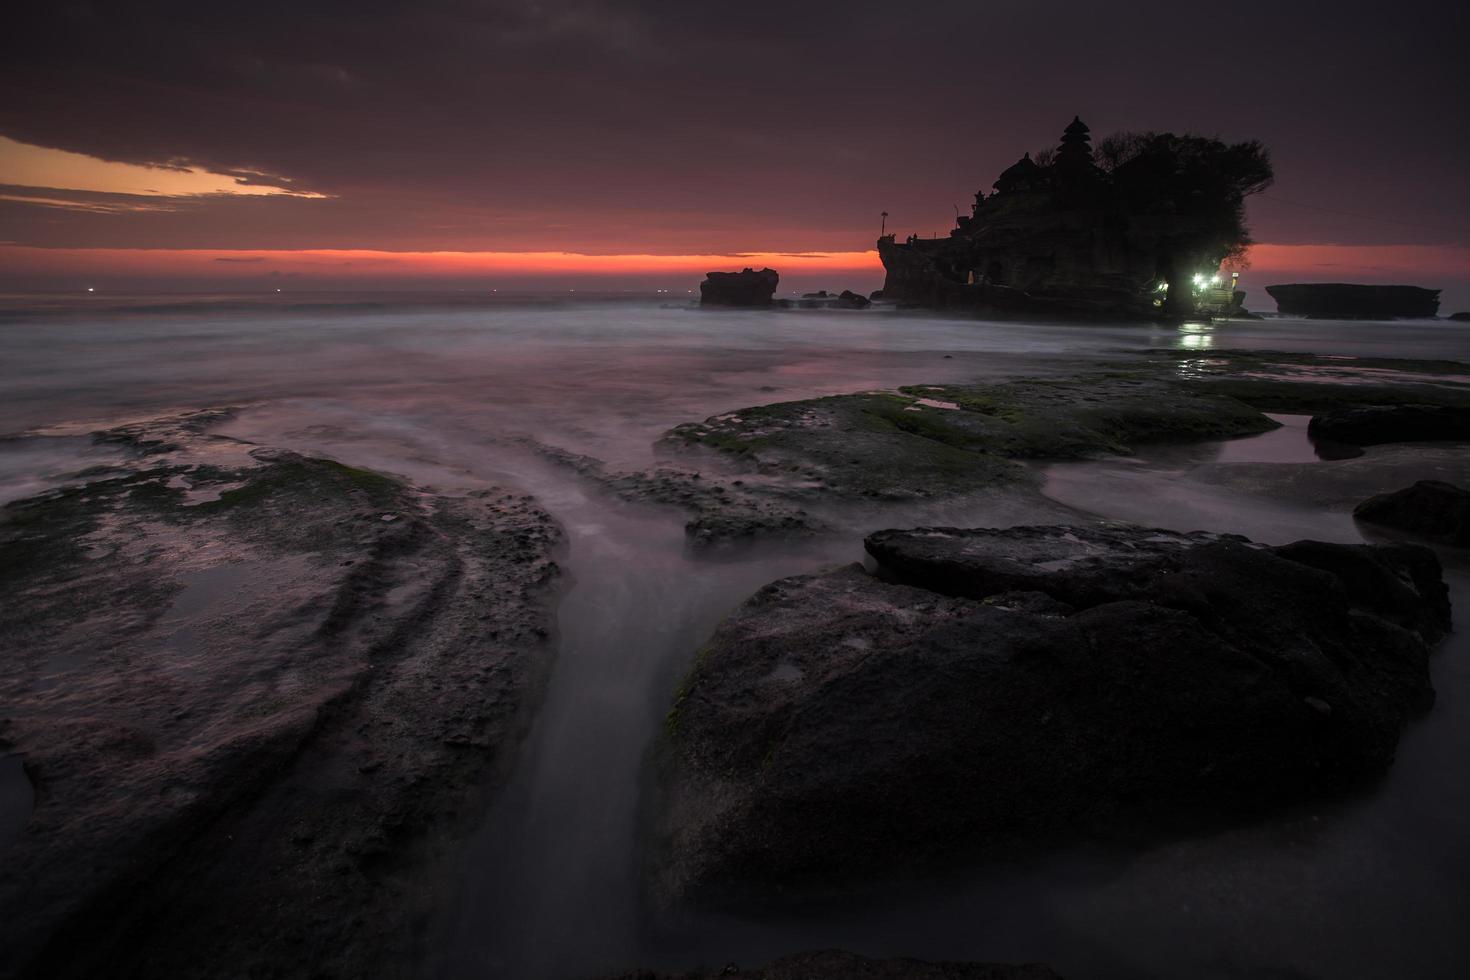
(833, 964)
(1004, 689)
(258, 694)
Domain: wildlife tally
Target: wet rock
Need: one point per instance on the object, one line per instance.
(1436, 510)
(1371, 425)
(202, 664)
(744, 288)
(723, 512)
(833, 964)
(1279, 381)
(931, 441)
(990, 691)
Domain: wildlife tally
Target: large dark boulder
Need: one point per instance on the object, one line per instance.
(1371, 425)
(836, 964)
(991, 690)
(1429, 508)
(1354, 300)
(744, 288)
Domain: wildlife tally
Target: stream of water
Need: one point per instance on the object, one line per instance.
(441, 394)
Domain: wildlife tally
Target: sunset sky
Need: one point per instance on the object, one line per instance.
(479, 144)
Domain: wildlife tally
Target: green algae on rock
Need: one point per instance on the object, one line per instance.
(942, 440)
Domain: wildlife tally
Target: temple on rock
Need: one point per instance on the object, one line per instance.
(1143, 233)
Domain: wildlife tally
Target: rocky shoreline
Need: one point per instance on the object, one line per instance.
(262, 696)
(259, 696)
(774, 470)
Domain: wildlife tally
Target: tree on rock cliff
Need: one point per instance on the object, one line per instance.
(1201, 184)
(1126, 225)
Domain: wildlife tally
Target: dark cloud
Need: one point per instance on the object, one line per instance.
(688, 126)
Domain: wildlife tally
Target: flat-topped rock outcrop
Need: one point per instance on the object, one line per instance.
(1354, 300)
(744, 288)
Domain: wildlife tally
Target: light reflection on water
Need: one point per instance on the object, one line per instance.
(436, 394)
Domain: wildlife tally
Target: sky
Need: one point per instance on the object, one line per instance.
(476, 143)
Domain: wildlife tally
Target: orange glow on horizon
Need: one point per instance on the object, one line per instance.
(354, 263)
(1374, 261)
(1417, 263)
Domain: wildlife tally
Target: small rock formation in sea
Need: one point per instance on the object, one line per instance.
(990, 690)
(1371, 425)
(1354, 301)
(836, 964)
(744, 288)
(1137, 228)
(1461, 316)
(823, 300)
(1430, 508)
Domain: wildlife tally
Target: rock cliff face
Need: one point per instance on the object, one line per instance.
(744, 288)
(1354, 301)
(1039, 262)
(1136, 239)
(990, 689)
